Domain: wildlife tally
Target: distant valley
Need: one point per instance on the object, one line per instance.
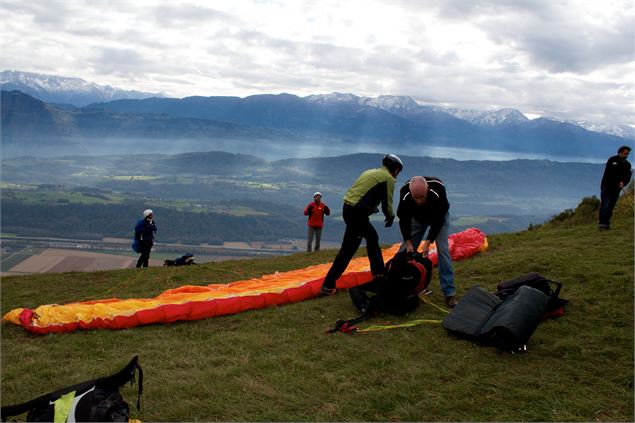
(81, 160)
(211, 197)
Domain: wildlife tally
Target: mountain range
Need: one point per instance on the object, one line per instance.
(275, 125)
(65, 90)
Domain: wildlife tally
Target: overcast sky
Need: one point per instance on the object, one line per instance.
(564, 59)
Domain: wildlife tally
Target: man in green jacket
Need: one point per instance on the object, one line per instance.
(373, 187)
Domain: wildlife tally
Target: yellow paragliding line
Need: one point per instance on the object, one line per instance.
(423, 297)
(377, 328)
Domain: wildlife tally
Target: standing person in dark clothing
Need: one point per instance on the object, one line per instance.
(617, 174)
(371, 188)
(144, 236)
(423, 205)
(316, 211)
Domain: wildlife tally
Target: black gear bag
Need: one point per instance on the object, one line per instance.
(184, 260)
(96, 400)
(483, 317)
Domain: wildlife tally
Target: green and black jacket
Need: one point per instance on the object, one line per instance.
(374, 186)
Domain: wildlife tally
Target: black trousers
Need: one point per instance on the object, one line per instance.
(358, 226)
(145, 255)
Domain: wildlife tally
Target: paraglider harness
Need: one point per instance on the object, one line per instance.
(184, 260)
(96, 400)
(397, 290)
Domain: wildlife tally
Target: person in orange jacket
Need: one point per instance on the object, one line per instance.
(316, 210)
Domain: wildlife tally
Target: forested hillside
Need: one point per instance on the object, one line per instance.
(212, 196)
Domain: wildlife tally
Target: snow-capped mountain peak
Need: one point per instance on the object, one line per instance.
(334, 98)
(488, 118)
(393, 103)
(60, 89)
(624, 131)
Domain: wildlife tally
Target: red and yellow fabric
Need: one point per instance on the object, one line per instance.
(192, 302)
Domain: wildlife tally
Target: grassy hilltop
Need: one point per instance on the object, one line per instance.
(278, 364)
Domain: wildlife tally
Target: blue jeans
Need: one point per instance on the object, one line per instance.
(608, 197)
(446, 271)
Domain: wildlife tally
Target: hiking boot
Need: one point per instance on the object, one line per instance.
(603, 227)
(325, 292)
(451, 301)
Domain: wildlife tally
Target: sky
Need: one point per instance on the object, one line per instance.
(572, 60)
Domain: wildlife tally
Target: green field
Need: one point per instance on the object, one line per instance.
(39, 194)
(277, 364)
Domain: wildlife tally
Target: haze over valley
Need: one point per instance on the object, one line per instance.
(281, 126)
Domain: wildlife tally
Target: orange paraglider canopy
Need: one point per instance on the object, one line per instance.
(192, 302)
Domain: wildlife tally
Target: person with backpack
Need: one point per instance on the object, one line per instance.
(372, 187)
(144, 237)
(423, 206)
(617, 174)
(316, 210)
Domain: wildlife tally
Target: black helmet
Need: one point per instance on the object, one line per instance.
(392, 162)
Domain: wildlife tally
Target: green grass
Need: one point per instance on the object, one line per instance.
(278, 364)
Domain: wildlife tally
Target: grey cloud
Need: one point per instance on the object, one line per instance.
(173, 15)
(427, 57)
(51, 14)
(461, 10)
(569, 98)
(337, 59)
(120, 62)
(292, 54)
(90, 31)
(389, 59)
(576, 51)
(260, 39)
(561, 42)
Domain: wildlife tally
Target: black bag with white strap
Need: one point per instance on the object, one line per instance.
(96, 400)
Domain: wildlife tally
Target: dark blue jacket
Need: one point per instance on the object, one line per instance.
(144, 231)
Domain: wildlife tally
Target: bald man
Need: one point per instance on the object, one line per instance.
(423, 206)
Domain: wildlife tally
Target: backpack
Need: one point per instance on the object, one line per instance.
(397, 290)
(184, 260)
(555, 306)
(405, 277)
(96, 400)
